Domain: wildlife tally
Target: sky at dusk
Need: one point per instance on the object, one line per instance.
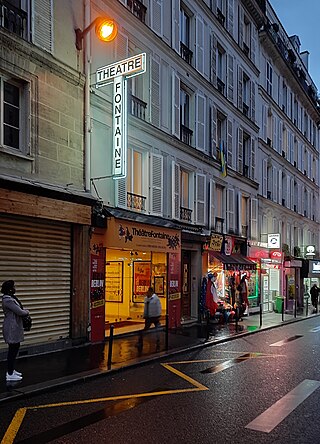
(302, 17)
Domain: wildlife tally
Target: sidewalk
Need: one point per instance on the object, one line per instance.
(48, 370)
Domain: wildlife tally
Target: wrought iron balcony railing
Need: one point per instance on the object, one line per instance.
(185, 214)
(186, 134)
(13, 19)
(186, 53)
(136, 202)
(220, 85)
(138, 9)
(138, 107)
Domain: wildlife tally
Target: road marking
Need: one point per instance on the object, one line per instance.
(231, 362)
(285, 341)
(314, 330)
(269, 419)
(13, 428)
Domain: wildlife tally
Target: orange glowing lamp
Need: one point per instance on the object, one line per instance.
(106, 31)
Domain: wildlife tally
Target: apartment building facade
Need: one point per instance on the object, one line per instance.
(45, 212)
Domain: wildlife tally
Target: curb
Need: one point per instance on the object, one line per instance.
(51, 385)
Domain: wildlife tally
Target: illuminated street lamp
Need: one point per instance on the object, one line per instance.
(106, 30)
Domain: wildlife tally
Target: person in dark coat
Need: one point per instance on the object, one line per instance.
(314, 295)
(12, 328)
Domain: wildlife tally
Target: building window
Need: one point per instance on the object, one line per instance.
(246, 94)
(185, 23)
(135, 181)
(14, 18)
(220, 209)
(269, 79)
(185, 204)
(13, 115)
(186, 132)
(221, 69)
(246, 36)
(221, 132)
(138, 9)
(246, 154)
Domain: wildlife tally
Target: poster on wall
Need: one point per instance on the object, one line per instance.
(114, 281)
(141, 280)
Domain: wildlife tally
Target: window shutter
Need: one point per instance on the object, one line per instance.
(155, 92)
(264, 122)
(253, 100)
(156, 181)
(201, 198)
(239, 217)
(230, 210)
(213, 57)
(230, 13)
(280, 187)
(201, 125)
(275, 186)
(253, 43)
(175, 25)
(240, 88)
(241, 26)
(252, 163)
(254, 218)
(175, 191)
(230, 157)
(230, 78)
(121, 46)
(213, 130)
(199, 44)
(240, 150)
(42, 24)
(275, 131)
(280, 134)
(175, 105)
(165, 100)
(121, 192)
(212, 189)
(289, 197)
(156, 16)
(264, 177)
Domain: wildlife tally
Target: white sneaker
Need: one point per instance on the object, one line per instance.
(13, 377)
(15, 372)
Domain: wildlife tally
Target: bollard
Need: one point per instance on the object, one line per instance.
(317, 306)
(295, 307)
(307, 307)
(260, 315)
(282, 310)
(237, 318)
(208, 319)
(110, 347)
(167, 333)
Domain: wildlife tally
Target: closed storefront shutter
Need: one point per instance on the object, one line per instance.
(36, 254)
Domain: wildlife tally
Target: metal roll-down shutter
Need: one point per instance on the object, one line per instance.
(36, 254)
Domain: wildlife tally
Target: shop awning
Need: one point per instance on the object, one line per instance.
(234, 261)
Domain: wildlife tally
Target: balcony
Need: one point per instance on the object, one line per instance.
(136, 202)
(186, 134)
(138, 9)
(219, 225)
(138, 107)
(186, 53)
(245, 109)
(13, 19)
(220, 85)
(245, 49)
(220, 16)
(185, 214)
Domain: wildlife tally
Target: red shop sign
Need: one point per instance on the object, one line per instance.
(276, 255)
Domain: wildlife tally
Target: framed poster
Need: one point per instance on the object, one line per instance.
(141, 280)
(114, 281)
(159, 285)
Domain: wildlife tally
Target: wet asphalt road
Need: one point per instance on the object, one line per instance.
(206, 396)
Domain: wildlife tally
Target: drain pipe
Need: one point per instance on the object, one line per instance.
(87, 114)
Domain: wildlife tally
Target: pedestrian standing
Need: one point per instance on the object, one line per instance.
(152, 309)
(314, 295)
(12, 328)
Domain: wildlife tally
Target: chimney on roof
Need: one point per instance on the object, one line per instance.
(296, 42)
(305, 58)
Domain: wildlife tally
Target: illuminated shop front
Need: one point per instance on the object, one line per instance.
(224, 258)
(137, 256)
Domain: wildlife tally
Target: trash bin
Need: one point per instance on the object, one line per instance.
(278, 304)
